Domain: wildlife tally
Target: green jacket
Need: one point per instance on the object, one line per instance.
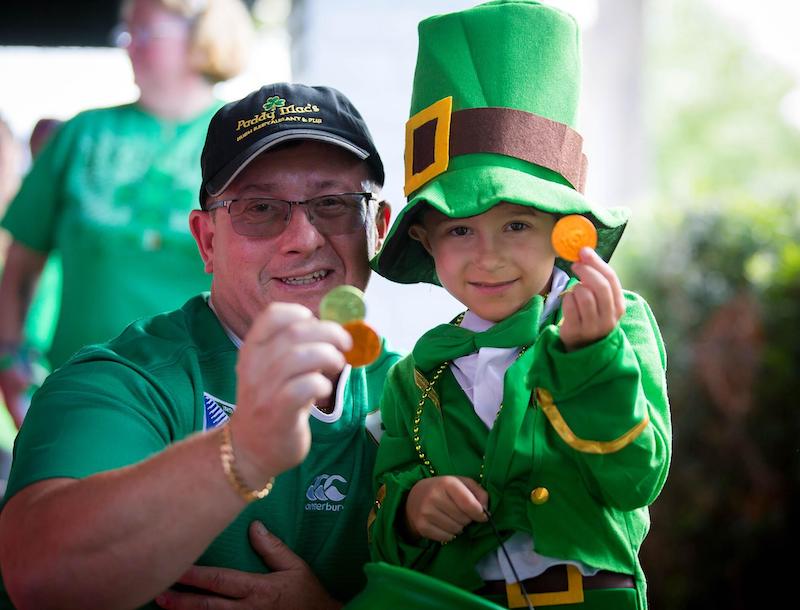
(580, 448)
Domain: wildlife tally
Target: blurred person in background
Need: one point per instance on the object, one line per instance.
(110, 193)
(28, 366)
(41, 133)
(9, 164)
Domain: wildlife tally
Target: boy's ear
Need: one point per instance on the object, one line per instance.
(418, 232)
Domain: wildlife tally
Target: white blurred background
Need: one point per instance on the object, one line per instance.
(368, 50)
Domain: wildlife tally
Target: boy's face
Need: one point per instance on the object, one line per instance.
(494, 262)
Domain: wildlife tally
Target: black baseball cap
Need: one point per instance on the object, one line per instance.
(241, 130)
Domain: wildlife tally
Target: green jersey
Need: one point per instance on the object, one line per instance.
(111, 193)
(171, 375)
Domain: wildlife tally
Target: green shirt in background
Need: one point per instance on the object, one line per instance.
(111, 192)
(171, 375)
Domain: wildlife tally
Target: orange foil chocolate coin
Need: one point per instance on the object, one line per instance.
(570, 234)
(366, 343)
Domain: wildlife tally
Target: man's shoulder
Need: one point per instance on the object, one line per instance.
(377, 371)
(162, 340)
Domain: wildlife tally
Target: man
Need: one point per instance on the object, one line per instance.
(162, 446)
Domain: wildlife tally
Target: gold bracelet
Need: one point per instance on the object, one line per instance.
(228, 460)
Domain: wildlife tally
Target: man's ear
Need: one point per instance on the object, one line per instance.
(382, 218)
(202, 226)
(418, 232)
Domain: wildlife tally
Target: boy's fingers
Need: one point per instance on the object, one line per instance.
(480, 494)
(586, 305)
(593, 260)
(464, 494)
(596, 292)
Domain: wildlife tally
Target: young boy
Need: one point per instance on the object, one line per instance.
(544, 405)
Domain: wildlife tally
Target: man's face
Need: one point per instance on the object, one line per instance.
(495, 262)
(300, 265)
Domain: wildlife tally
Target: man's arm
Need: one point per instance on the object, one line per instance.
(119, 538)
(21, 273)
(115, 539)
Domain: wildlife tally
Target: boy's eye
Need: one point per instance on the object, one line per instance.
(458, 231)
(517, 226)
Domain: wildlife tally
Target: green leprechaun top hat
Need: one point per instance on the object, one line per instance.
(493, 110)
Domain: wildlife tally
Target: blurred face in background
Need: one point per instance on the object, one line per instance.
(158, 44)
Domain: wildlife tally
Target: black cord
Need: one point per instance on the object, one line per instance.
(508, 559)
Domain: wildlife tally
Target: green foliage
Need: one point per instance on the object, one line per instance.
(717, 255)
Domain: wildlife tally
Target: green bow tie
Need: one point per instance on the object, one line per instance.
(448, 341)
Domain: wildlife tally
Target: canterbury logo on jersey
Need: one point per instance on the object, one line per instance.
(326, 493)
(217, 411)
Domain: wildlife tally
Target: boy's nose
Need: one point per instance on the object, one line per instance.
(487, 255)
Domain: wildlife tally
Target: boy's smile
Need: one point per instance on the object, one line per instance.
(495, 262)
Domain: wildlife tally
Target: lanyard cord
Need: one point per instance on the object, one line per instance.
(508, 559)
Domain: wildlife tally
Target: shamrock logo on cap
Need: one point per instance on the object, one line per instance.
(273, 102)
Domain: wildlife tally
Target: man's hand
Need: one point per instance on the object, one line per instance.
(291, 584)
(286, 364)
(593, 308)
(439, 508)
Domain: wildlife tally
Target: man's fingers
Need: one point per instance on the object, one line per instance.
(275, 318)
(296, 324)
(275, 554)
(181, 600)
(223, 581)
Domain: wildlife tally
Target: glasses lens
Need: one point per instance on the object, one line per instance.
(259, 217)
(330, 214)
(338, 214)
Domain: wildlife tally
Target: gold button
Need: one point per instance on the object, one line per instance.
(540, 495)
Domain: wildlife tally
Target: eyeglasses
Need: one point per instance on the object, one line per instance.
(266, 217)
(123, 37)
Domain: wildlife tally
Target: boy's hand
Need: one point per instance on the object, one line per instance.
(439, 508)
(593, 308)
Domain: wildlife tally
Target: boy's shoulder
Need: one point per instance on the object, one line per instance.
(636, 303)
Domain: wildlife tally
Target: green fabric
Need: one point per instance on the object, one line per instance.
(597, 508)
(43, 312)
(171, 375)
(593, 599)
(394, 588)
(111, 194)
(508, 53)
(448, 341)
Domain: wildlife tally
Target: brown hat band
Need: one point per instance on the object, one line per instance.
(436, 134)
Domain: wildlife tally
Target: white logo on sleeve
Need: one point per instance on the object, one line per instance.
(326, 493)
(217, 411)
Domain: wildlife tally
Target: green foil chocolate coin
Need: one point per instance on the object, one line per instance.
(343, 304)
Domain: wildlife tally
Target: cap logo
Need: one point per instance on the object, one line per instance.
(273, 102)
(276, 111)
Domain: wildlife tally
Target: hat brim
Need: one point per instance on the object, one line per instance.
(228, 173)
(472, 190)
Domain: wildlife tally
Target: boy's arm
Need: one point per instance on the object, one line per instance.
(397, 469)
(607, 403)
